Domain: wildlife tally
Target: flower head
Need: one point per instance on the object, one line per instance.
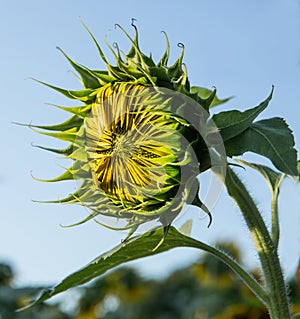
(137, 142)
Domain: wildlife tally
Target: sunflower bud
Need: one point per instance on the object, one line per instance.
(139, 140)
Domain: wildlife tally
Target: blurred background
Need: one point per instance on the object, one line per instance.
(242, 48)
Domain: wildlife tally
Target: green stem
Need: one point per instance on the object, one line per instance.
(275, 217)
(247, 278)
(275, 220)
(275, 285)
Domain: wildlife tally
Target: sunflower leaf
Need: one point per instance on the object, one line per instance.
(271, 138)
(232, 123)
(135, 248)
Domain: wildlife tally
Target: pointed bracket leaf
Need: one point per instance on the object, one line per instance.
(232, 123)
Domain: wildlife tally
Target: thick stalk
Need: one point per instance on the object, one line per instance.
(274, 282)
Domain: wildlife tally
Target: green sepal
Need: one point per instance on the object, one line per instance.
(81, 111)
(66, 151)
(165, 58)
(88, 218)
(86, 95)
(198, 203)
(104, 77)
(132, 72)
(192, 190)
(65, 176)
(79, 155)
(116, 73)
(182, 84)
(135, 55)
(74, 121)
(96, 43)
(186, 228)
(207, 98)
(159, 73)
(205, 102)
(68, 136)
(67, 200)
(175, 71)
(81, 170)
(89, 80)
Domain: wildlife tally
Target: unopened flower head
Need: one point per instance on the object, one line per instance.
(139, 140)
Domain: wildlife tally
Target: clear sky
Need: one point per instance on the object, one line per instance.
(241, 47)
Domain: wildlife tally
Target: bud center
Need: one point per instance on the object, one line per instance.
(122, 146)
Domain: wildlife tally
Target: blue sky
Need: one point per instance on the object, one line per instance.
(241, 47)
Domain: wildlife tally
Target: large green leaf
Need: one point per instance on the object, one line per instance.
(271, 138)
(232, 123)
(142, 246)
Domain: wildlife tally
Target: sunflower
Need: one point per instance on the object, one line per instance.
(137, 143)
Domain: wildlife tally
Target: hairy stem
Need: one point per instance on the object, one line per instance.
(247, 278)
(274, 282)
